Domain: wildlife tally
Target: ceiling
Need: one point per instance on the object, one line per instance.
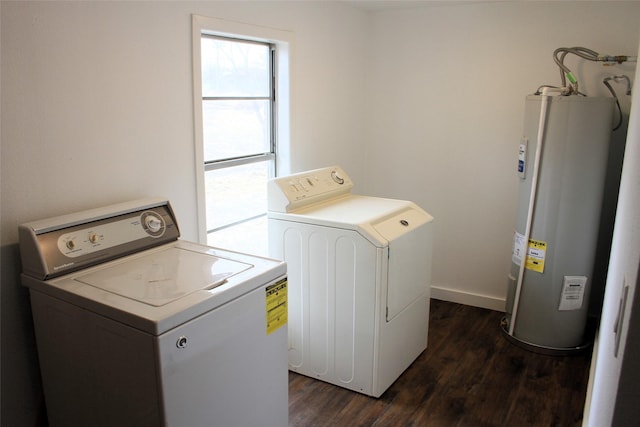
(375, 5)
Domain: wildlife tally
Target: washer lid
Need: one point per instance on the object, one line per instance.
(162, 277)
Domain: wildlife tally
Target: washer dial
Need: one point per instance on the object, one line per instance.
(153, 223)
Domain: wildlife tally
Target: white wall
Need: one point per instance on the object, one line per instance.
(424, 104)
(446, 102)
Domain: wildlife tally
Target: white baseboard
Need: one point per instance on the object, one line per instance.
(467, 298)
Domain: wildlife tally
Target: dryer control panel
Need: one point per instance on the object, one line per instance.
(60, 245)
(286, 194)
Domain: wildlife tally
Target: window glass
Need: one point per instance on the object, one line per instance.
(235, 128)
(248, 237)
(233, 68)
(238, 143)
(236, 193)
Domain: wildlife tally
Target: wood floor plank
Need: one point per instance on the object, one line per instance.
(470, 375)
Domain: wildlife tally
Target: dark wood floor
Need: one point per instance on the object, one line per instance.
(470, 375)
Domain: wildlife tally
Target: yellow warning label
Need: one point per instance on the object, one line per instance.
(276, 305)
(535, 255)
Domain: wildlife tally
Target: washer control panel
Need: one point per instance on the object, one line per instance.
(60, 245)
(290, 192)
(97, 237)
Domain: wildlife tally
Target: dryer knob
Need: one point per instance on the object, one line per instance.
(337, 178)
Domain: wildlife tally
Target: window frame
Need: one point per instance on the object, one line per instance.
(281, 45)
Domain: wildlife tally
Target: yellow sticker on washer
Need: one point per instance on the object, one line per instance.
(276, 305)
(535, 255)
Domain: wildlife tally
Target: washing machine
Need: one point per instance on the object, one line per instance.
(136, 327)
(359, 271)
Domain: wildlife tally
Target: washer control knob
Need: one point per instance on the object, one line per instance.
(93, 237)
(153, 223)
(71, 244)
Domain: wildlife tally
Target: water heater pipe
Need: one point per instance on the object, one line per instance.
(532, 201)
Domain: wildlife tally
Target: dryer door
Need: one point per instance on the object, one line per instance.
(410, 240)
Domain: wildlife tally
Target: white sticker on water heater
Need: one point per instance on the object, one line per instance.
(572, 296)
(517, 250)
(522, 157)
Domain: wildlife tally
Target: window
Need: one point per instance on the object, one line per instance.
(237, 121)
(238, 138)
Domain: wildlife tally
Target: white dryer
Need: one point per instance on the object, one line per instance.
(359, 271)
(135, 327)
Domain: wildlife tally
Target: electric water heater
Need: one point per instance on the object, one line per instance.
(562, 163)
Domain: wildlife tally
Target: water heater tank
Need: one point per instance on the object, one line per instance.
(546, 307)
